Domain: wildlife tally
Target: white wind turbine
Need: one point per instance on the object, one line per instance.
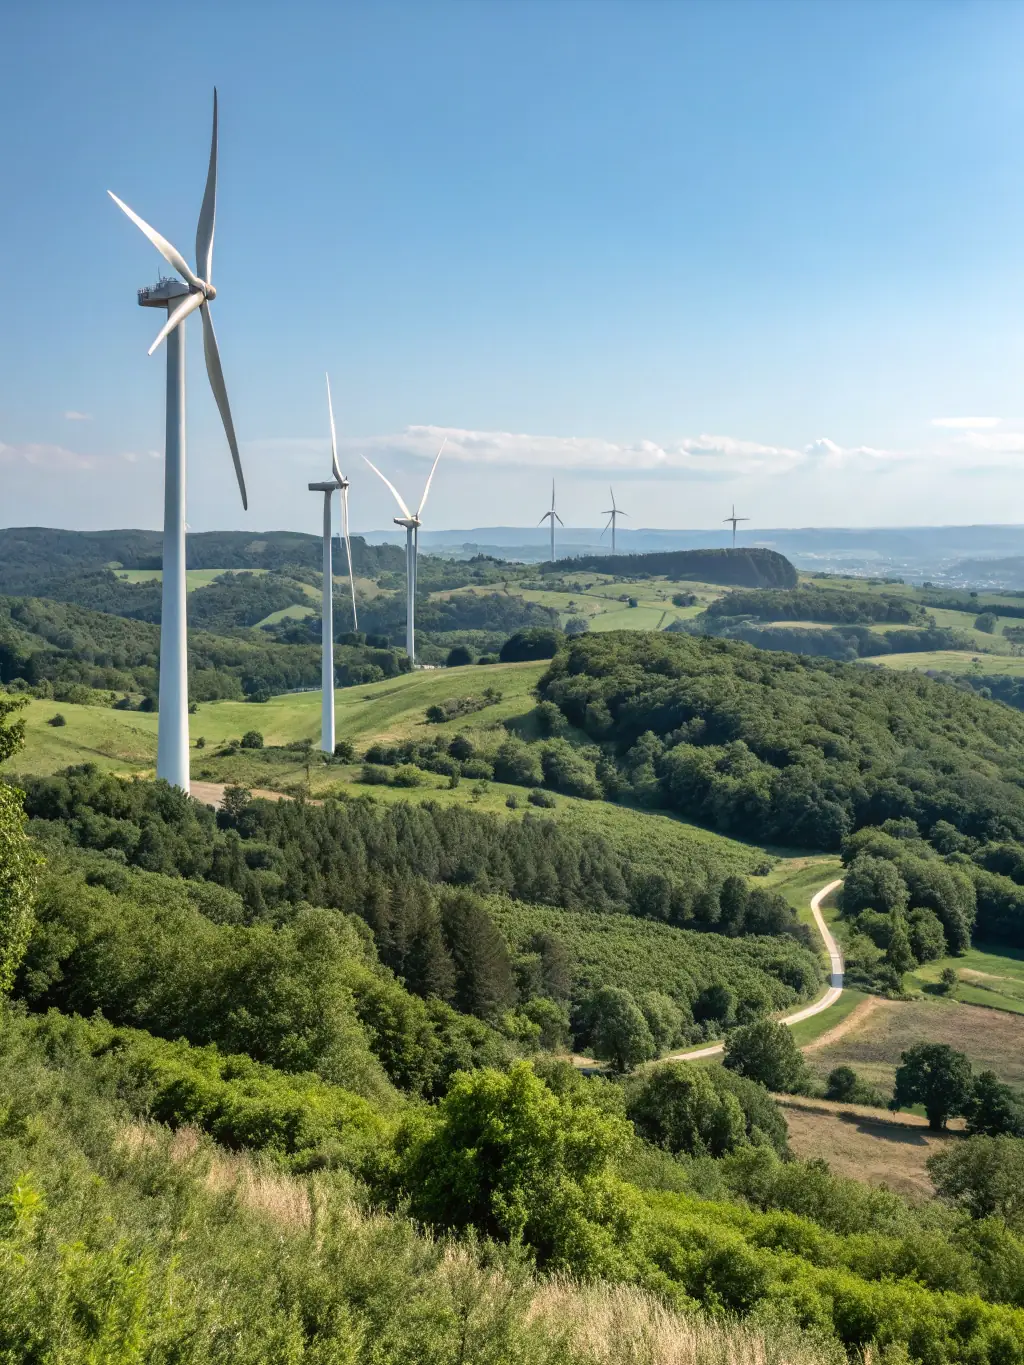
(412, 523)
(613, 515)
(337, 481)
(181, 299)
(553, 516)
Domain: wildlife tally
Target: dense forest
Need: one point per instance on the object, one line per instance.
(776, 747)
(34, 558)
(748, 568)
(843, 643)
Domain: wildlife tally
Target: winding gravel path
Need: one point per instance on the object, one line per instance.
(830, 997)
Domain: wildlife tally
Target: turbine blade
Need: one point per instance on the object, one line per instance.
(430, 476)
(606, 525)
(543, 519)
(171, 254)
(559, 519)
(176, 315)
(220, 393)
(208, 213)
(398, 496)
(348, 553)
(334, 440)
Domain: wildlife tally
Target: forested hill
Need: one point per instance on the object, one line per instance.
(32, 556)
(746, 568)
(780, 747)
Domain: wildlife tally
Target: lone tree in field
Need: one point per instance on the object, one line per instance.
(937, 1077)
(765, 1051)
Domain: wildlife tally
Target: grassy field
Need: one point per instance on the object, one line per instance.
(994, 980)
(865, 1144)
(604, 600)
(954, 661)
(125, 741)
(993, 1040)
(194, 578)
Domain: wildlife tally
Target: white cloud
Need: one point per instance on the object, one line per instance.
(705, 456)
(966, 423)
(45, 457)
(73, 416)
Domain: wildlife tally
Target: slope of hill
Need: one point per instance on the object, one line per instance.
(748, 568)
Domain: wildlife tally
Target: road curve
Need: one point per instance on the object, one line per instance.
(830, 997)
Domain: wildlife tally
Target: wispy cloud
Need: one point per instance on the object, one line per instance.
(966, 423)
(58, 458)
(72, 416)
(705, 456)
(45, 457)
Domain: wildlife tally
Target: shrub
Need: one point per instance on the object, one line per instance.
(543, 799)
(676, 1106)
(252, 739)
(458, 657)
(540, 642)
(505, 1155)
(344, 750)
(986, 622)
(57, 720)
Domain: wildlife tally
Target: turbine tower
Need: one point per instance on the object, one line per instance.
(613, 515)
(734, 519)
(180, 299)
(412, 523)
(337, 481)
(553, 516)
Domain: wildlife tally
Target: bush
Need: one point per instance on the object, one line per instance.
(344, 750)
(540, 642)
(846, 1087)
(948, 980)
(986, 622)
(57, 720)
(765, 1052)
(677, 1106)
(252, 739)
(505, 1155)
(543, 799)
(984, 1176)
(458, 657)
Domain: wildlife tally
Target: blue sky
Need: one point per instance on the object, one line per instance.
(766, 252)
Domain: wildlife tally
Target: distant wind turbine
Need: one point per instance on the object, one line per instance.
(734, 519)
(412, 523)
(613, 515)
(553, 517)
(180, 299)
(338, 481)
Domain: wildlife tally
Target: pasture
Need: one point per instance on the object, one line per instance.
(125, 741)
(883, 1029)
(194, 578)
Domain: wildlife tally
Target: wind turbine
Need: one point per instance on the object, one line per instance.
(613, 515)
(734, 519)
(180, 299)
(411, 522)
(553, 516)
(337, 481)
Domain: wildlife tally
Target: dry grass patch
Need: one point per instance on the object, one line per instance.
(866, 1144)
(992, 1039)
